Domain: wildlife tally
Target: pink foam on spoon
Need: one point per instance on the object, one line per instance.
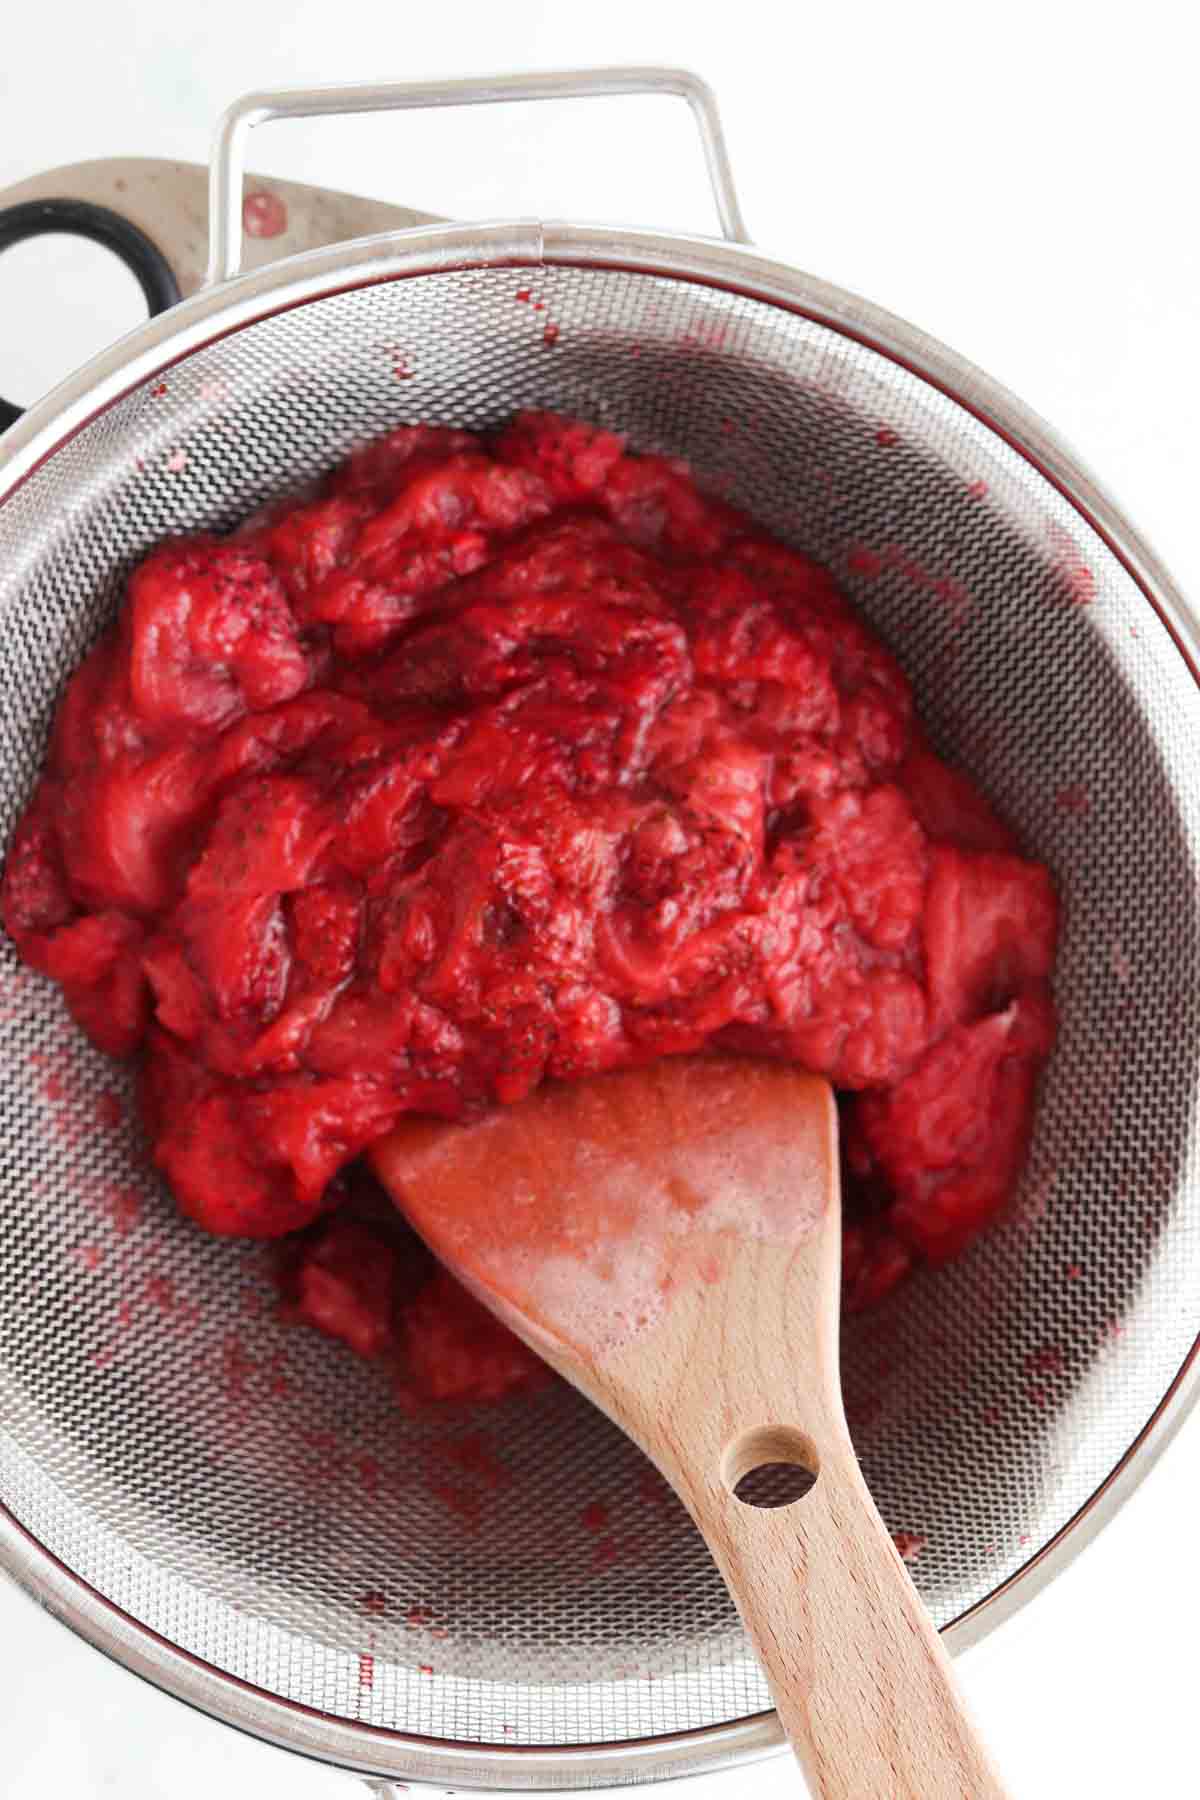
(617, 1193)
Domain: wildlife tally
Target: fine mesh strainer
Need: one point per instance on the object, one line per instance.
(238, 1511)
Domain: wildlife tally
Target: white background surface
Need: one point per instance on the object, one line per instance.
(1019, 180)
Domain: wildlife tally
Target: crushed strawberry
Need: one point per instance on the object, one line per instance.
(502, 759)
(454, 1350)
(346, 1287)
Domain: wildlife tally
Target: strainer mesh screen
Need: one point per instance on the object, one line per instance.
(252, 1492)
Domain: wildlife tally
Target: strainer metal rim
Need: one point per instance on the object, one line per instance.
(218, 311)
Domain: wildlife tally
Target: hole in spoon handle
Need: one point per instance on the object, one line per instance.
(770, 1466)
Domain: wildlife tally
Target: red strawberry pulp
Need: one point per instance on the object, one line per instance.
(512, 758)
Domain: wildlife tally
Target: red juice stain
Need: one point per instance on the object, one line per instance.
(977, 490)
(54, 1088)
(187, 1317)
(459, 1500)
(368, 1474)
(886, 437)
(264, 214)
(550, 335)
(401, 371)
(366, 1670)
(525, 295)
(1082, 583)
(1079, 578)
(1074, 1272)
(101, 1359)
(539, 306)
(884, 1332)
(1037, 1394)
(323, 1441)
(373, 1602)
(124, 1316)
(177, 462)
(89, 1256)
(108, 1110)
(863, 1412)
(124, 1207)
(654, 1491)
(426, 1668)
(992, 1415)
(1047, 1361)
(707, 336)
(909, 1544)
(595, 1516)
(474, 1456)
(605, 1553)
(1023, 1539)
(417, 1617)
(159, 391)
(159, 1290)
(236, 1366)
(862, 561)
(1073, 799)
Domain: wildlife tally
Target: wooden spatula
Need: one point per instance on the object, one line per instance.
(669, 1239)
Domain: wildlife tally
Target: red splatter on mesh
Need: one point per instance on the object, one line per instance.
(159, 1291)
(124, 1208)
(1074, 798)
(108, 1110)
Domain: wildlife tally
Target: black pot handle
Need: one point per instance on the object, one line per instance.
(81, 218)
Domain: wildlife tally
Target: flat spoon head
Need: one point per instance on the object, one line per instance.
(590, 1213)
(669, 1239)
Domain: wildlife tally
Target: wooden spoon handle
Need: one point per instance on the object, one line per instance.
(863, 1686)
(670, 1238)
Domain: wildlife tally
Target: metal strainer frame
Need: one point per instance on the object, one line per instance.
(225, 308)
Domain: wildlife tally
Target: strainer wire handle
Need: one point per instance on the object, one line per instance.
(229, 149)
